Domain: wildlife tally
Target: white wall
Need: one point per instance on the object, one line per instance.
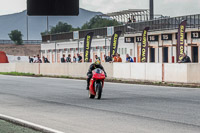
(15, 59)
(175, 73)
(7, 67)
(181, 73)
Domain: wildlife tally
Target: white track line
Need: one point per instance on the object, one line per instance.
(28, 124)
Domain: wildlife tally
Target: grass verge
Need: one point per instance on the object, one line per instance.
(7, 127)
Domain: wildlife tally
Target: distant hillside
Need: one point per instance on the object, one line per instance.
(38, 24)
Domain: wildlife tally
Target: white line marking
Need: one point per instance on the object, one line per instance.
(28, 124)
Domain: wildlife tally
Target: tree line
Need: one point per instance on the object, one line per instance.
(95, 22)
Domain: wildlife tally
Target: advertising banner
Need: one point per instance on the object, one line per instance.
(114, 43)
(87, 46)
(144, 46)
(181, 40)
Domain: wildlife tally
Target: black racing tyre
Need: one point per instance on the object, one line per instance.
(98, 90)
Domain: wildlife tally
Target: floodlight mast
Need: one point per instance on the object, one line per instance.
(151, 8)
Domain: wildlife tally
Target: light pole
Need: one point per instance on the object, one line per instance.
(47, 24)
(55, 52)
(105, 45)
(27, 26)
(151, 7)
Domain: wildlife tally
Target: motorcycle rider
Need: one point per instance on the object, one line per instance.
(95, 65)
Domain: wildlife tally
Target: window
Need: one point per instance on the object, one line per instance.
(152, 54)
(195, 54)
(131, 52)
(165, 54)
(119, 50)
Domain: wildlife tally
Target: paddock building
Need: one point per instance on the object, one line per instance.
(162, 38)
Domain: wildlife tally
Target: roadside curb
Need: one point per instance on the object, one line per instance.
(28, 124)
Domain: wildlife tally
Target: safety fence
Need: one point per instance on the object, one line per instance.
(30, 42)
(193, 21)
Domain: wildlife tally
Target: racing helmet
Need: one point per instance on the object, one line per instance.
(97, 62)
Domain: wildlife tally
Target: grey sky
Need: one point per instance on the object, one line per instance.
(164, 7)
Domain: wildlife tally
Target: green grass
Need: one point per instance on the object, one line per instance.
(17, 74)
(6, 127)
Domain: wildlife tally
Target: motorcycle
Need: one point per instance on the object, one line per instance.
(96, 84)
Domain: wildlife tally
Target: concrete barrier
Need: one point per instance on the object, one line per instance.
(138, 71)
(54, 69)
(7, 67)
(109, 69)
(28, 68)
(153, 72)
(176, 73)
(146, 72)
(193, 73)
(78, 69)
(122, 70)
(180, 73)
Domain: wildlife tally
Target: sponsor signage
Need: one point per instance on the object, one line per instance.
(181, 40)
(166, 37)
(87, 46)
(114, 43)
(153, 38)
(144, 45)
(129, 39)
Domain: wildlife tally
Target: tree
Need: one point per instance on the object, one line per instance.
(99, 22)
(16, 37)
(61, 27)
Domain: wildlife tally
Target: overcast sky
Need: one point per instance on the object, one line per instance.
(164, 7)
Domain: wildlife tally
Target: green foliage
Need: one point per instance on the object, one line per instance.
(76, 29)
(61, 27)
(45, 33)
(16, 37)
(95, 22)
(99, 22)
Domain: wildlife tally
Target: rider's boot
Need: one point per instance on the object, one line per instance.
(88, 82)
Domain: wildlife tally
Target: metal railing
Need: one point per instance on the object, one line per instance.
(25, 42)
(193, 21)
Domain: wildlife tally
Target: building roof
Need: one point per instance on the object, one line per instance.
(130, 11)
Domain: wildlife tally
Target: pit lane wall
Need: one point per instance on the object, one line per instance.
(178, 73)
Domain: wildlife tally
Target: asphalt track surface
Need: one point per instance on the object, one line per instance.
(64, 105)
